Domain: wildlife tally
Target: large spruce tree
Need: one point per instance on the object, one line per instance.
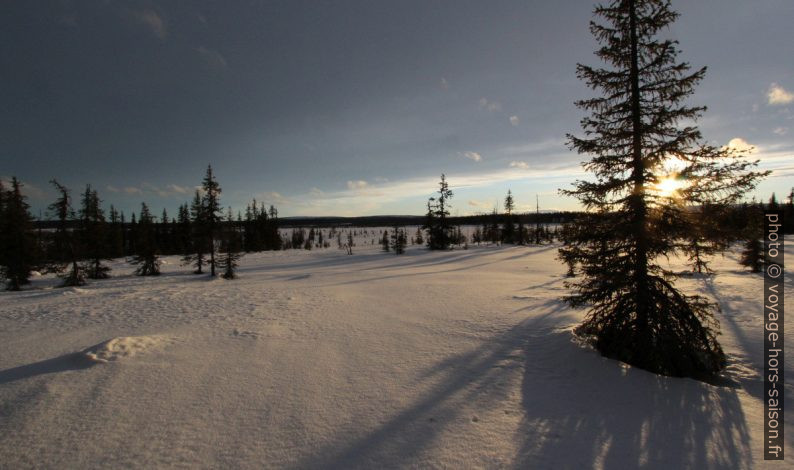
(638, 124)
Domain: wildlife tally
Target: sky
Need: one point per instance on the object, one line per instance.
(350, 107)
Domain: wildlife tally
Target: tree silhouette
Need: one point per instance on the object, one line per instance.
(436, 224)
(212, 213)
(18, 251)
(146, 256)
(230, 246)
(93, 234)
(66, 246)
(634, 134)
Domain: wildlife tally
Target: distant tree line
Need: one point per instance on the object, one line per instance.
(78, 241)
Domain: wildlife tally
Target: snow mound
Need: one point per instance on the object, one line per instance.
(123, 347)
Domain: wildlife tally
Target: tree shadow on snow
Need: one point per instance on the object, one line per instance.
(582, 410)
(578, 410)
(72, 361)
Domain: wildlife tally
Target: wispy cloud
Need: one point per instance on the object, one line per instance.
(213, 58)
(474, 156)
(145, 188)
(519, 164)
(780, 131)
(514, 120)
(152, 21)
(777, 95)
(490, 105)
(357, 185)
(480, 204)
(274, 198)
(444, 84)
(176, 189)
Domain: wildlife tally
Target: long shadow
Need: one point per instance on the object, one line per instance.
(72, 361)
(585, 411)
(411, 274)
(579, 410)
(476, 376)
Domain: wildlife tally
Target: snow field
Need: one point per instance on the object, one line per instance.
(317, 359)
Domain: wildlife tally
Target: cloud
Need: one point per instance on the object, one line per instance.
(316, 192)
(491, 106)
(482, 204)
(472, 156)
(444, 83)
(176, 189)
(780, 130)
(273, 197)
(152, 21)
(514, 120)
(357, 185)
(777, 95)
(213, 58)
(519, 164)
(148, 188)
(740, 145)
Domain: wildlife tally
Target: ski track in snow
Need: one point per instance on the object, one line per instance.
(461, 359)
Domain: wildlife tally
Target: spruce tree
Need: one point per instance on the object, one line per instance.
(752, 255)
(66, 246)
(493, 228)
(636, 314)
(430, 221)
(509, 228)
(93, 230)
(212, 213)
(19, 251)
(115, 234)
(231, 248)
(398, 240)
(146, 256)
(183, 232)
(197, 248)
(437, 225)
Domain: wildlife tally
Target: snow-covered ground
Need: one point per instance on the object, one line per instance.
(317, 359)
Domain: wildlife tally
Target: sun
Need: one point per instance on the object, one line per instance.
(669, 186)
